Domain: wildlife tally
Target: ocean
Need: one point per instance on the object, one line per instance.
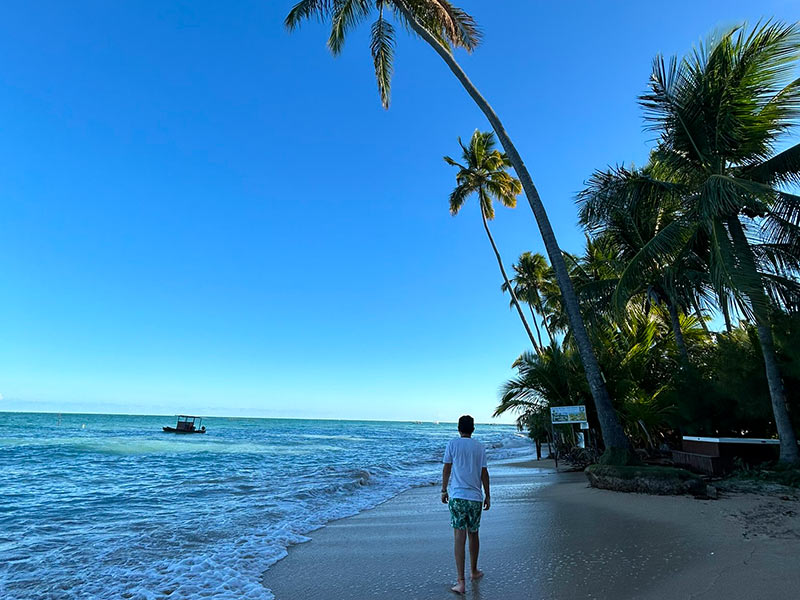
(109, 506)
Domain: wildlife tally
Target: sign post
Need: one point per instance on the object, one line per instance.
(568, 414)
(560, 415)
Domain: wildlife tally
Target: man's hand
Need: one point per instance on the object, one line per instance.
(486, 503)
(445, 497)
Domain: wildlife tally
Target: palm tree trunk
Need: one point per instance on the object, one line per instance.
(508, 283)
(680, 342)
(789, 451)
(536, 325)
(617, 444)
(544, 317)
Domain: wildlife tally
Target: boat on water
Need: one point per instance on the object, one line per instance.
(187, 424)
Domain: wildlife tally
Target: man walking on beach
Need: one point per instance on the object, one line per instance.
(465, 470)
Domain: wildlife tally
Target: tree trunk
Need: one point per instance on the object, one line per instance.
(544, 317)
(786, 433)
(536, 324)
(618, 446)
(789, 451)
(680, 342)
(508, 283)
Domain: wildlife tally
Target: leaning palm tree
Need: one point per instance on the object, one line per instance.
(445, 27)
(532, 276)
(720, 113)
(484, 172)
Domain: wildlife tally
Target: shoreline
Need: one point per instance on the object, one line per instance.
(548, 535)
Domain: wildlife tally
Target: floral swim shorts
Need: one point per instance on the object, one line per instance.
(465, 514)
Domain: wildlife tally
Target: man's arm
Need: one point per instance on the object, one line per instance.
(485, 481)
(445, 478)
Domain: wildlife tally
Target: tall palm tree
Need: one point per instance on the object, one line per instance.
(445, 27)
(720, 113)
(532, 276)
(484, 172)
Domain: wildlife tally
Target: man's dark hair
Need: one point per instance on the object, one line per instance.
(466, 424)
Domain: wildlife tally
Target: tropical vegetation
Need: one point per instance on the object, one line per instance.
(709, 226)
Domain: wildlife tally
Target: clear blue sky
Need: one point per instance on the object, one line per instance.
(204, 213)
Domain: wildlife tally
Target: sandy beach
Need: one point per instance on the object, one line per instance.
(550, 536)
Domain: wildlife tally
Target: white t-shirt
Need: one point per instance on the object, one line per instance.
(468, 457)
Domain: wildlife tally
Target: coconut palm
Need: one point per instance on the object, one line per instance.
(484, 172)
(445, 27)
(628, 208)
(532, 276)
(720, 113)
(632, 351)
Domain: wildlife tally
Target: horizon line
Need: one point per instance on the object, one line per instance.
(53, 412)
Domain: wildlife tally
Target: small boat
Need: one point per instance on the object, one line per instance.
(187, 424)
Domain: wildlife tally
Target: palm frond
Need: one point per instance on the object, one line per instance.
(346, 15)
(382, 42)
(458, 196)
(661, 250)
(451, 26)
(307, 9)
(781, 169)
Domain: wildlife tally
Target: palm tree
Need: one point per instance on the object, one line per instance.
(484, 173)
(720, 113)
(532, 276)
(445, 27)
(632, 351)
(628, 208)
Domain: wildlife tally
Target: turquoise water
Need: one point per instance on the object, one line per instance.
(109, 506)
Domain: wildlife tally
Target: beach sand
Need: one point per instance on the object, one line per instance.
(549, 536)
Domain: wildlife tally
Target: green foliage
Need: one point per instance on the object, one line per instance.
(726, 392)
(705, 224)
(451, 26)
(483, 172)
(720, 113)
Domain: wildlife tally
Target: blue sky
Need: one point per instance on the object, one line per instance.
(204, 213)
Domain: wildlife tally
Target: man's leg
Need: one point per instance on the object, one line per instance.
(474, 548)
(459, 541)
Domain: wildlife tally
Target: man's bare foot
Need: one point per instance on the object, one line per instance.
(476, 575)
(460, 587)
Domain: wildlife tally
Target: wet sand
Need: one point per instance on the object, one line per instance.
(549, 536)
